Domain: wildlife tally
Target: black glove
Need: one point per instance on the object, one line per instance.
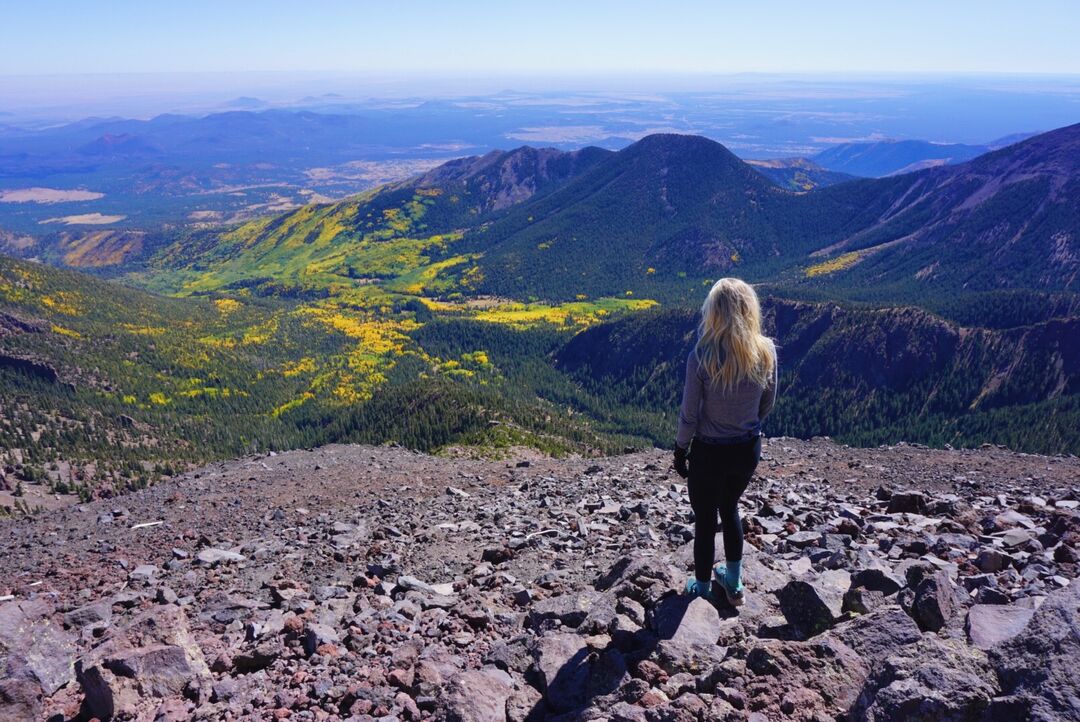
(680, 463)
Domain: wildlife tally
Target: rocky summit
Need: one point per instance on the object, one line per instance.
(363, 583)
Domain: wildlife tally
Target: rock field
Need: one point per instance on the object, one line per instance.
(360, 583)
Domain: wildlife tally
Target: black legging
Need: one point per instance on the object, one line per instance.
(719, 474)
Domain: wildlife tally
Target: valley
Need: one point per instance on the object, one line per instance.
(542, 298)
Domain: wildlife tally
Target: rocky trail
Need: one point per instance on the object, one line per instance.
(360, 583)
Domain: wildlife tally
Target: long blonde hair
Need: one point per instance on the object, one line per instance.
(731, 347)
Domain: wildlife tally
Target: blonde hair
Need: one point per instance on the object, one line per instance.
(731, 347)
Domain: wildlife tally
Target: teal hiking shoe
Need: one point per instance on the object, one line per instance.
(735, 596)
(696, 588)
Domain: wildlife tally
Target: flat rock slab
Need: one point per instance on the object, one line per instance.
(568, 609)
(212, 557)
(988, 624)
(687, 620)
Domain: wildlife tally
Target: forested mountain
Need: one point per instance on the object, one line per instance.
(500, 179)
(1008, 219)
(655, 219)
(671, 207)
(102, 385)
(865, 376)
(666, 208)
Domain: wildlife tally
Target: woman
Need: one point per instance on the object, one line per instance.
(730, 387)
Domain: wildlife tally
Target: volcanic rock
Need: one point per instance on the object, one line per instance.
(1038, 666)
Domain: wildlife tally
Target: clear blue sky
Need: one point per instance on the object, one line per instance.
(554, 36)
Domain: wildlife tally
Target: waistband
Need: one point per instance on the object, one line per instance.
(728, 440)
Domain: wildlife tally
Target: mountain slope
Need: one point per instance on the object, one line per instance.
(798, 174)
(677, 203)
(100, 382)
(501, 179)
(1008, 219)
(359, 582)
(663, 214)
(866, 375)
(381, 234)
(883, 158)
(659, 216)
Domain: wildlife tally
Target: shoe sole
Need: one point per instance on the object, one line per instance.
(732, 599)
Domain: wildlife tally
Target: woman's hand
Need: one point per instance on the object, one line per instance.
(680, 463)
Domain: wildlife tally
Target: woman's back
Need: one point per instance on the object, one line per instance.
(713, 413)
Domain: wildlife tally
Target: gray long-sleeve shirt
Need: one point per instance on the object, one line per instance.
(711, 412)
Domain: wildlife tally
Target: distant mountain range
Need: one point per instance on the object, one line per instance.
(878, 159)
(669, 209)
(684, 205)
(885, 158)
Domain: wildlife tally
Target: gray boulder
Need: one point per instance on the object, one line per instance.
(907, 502)
(934, 679)
(152, 657)
(122, 679)
(211, 557)
(820, 678)
(46, 650)
(20, 691)
(570, 610)
(562, 667)
(688, 630)
(1038, 667)
(316, 635)
(878, 634)
(877, 580)
(686, 620)
(96, 615)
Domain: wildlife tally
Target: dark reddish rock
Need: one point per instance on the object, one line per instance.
(907, 502)
(936, 602)
(46, 650)
(812, 605)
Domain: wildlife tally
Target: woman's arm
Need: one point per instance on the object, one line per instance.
(691, 403)
(768, 396)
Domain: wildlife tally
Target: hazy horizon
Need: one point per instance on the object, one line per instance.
(55, 99)
(62, 62)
